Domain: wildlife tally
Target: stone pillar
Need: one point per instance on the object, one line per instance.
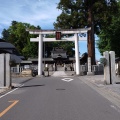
(2, 70)
(65, 67)
(47, 68)
(77, 55)
(7, 73)
(74, 66)
(118, 68)
(5, 77)
(46, 65)
(107, 68)
(89, 67)
(112, 65)
(40, 52)
(54, 67)
(71, 67)
(18, 68)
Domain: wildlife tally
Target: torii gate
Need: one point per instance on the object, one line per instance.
(42, 39)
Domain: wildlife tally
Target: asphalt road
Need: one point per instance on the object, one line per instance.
(56, 98)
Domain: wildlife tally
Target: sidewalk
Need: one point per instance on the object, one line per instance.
(16, 81)
(98, 80)
(110, 92)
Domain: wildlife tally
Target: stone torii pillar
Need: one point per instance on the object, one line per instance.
(40, 52)
(40, 46)
(77, 55)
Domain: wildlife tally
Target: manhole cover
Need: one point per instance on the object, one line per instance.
(60, 89)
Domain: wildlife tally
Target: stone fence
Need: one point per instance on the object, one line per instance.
(96, 69)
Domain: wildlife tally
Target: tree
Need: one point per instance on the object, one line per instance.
(96, 14)
(5, 34)
(18, 36)
(109, 38)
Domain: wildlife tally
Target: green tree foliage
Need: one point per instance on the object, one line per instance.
(75, 13)
(109, 38)
(18, 36)
(96, 14)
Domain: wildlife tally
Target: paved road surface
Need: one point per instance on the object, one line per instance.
(56, 98)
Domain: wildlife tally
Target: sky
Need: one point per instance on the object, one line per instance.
(34, 12)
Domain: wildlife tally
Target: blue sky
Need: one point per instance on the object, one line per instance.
(35, 12)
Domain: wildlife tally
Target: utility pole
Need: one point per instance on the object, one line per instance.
(91, 39)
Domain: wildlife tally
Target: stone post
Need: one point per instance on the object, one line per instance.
(2, 70)
(112, 65)
(118, 68)
(5, 76)
(89, 67)
(18, 68)
(7, 73)
(65, 67)
(74, 65)
(107, 68)
(54, 67)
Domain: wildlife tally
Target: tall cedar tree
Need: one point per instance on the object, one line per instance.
(96, 14)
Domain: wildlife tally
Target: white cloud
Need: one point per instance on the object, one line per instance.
(35, 12)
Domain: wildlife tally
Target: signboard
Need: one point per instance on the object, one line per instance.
(58, 35)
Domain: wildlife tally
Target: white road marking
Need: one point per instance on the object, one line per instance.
(67, 79)
(11, 91)
(115, 108)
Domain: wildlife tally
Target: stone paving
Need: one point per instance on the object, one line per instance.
(59, 73)
(62, 73)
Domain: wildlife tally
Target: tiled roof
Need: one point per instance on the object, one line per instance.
(6, 45)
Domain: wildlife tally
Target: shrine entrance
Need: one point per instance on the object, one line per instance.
(76, 37)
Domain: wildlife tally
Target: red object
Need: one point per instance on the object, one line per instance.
(58, 35)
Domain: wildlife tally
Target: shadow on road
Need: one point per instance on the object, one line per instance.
(26, 80)
(33, 86)
(117, 82)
